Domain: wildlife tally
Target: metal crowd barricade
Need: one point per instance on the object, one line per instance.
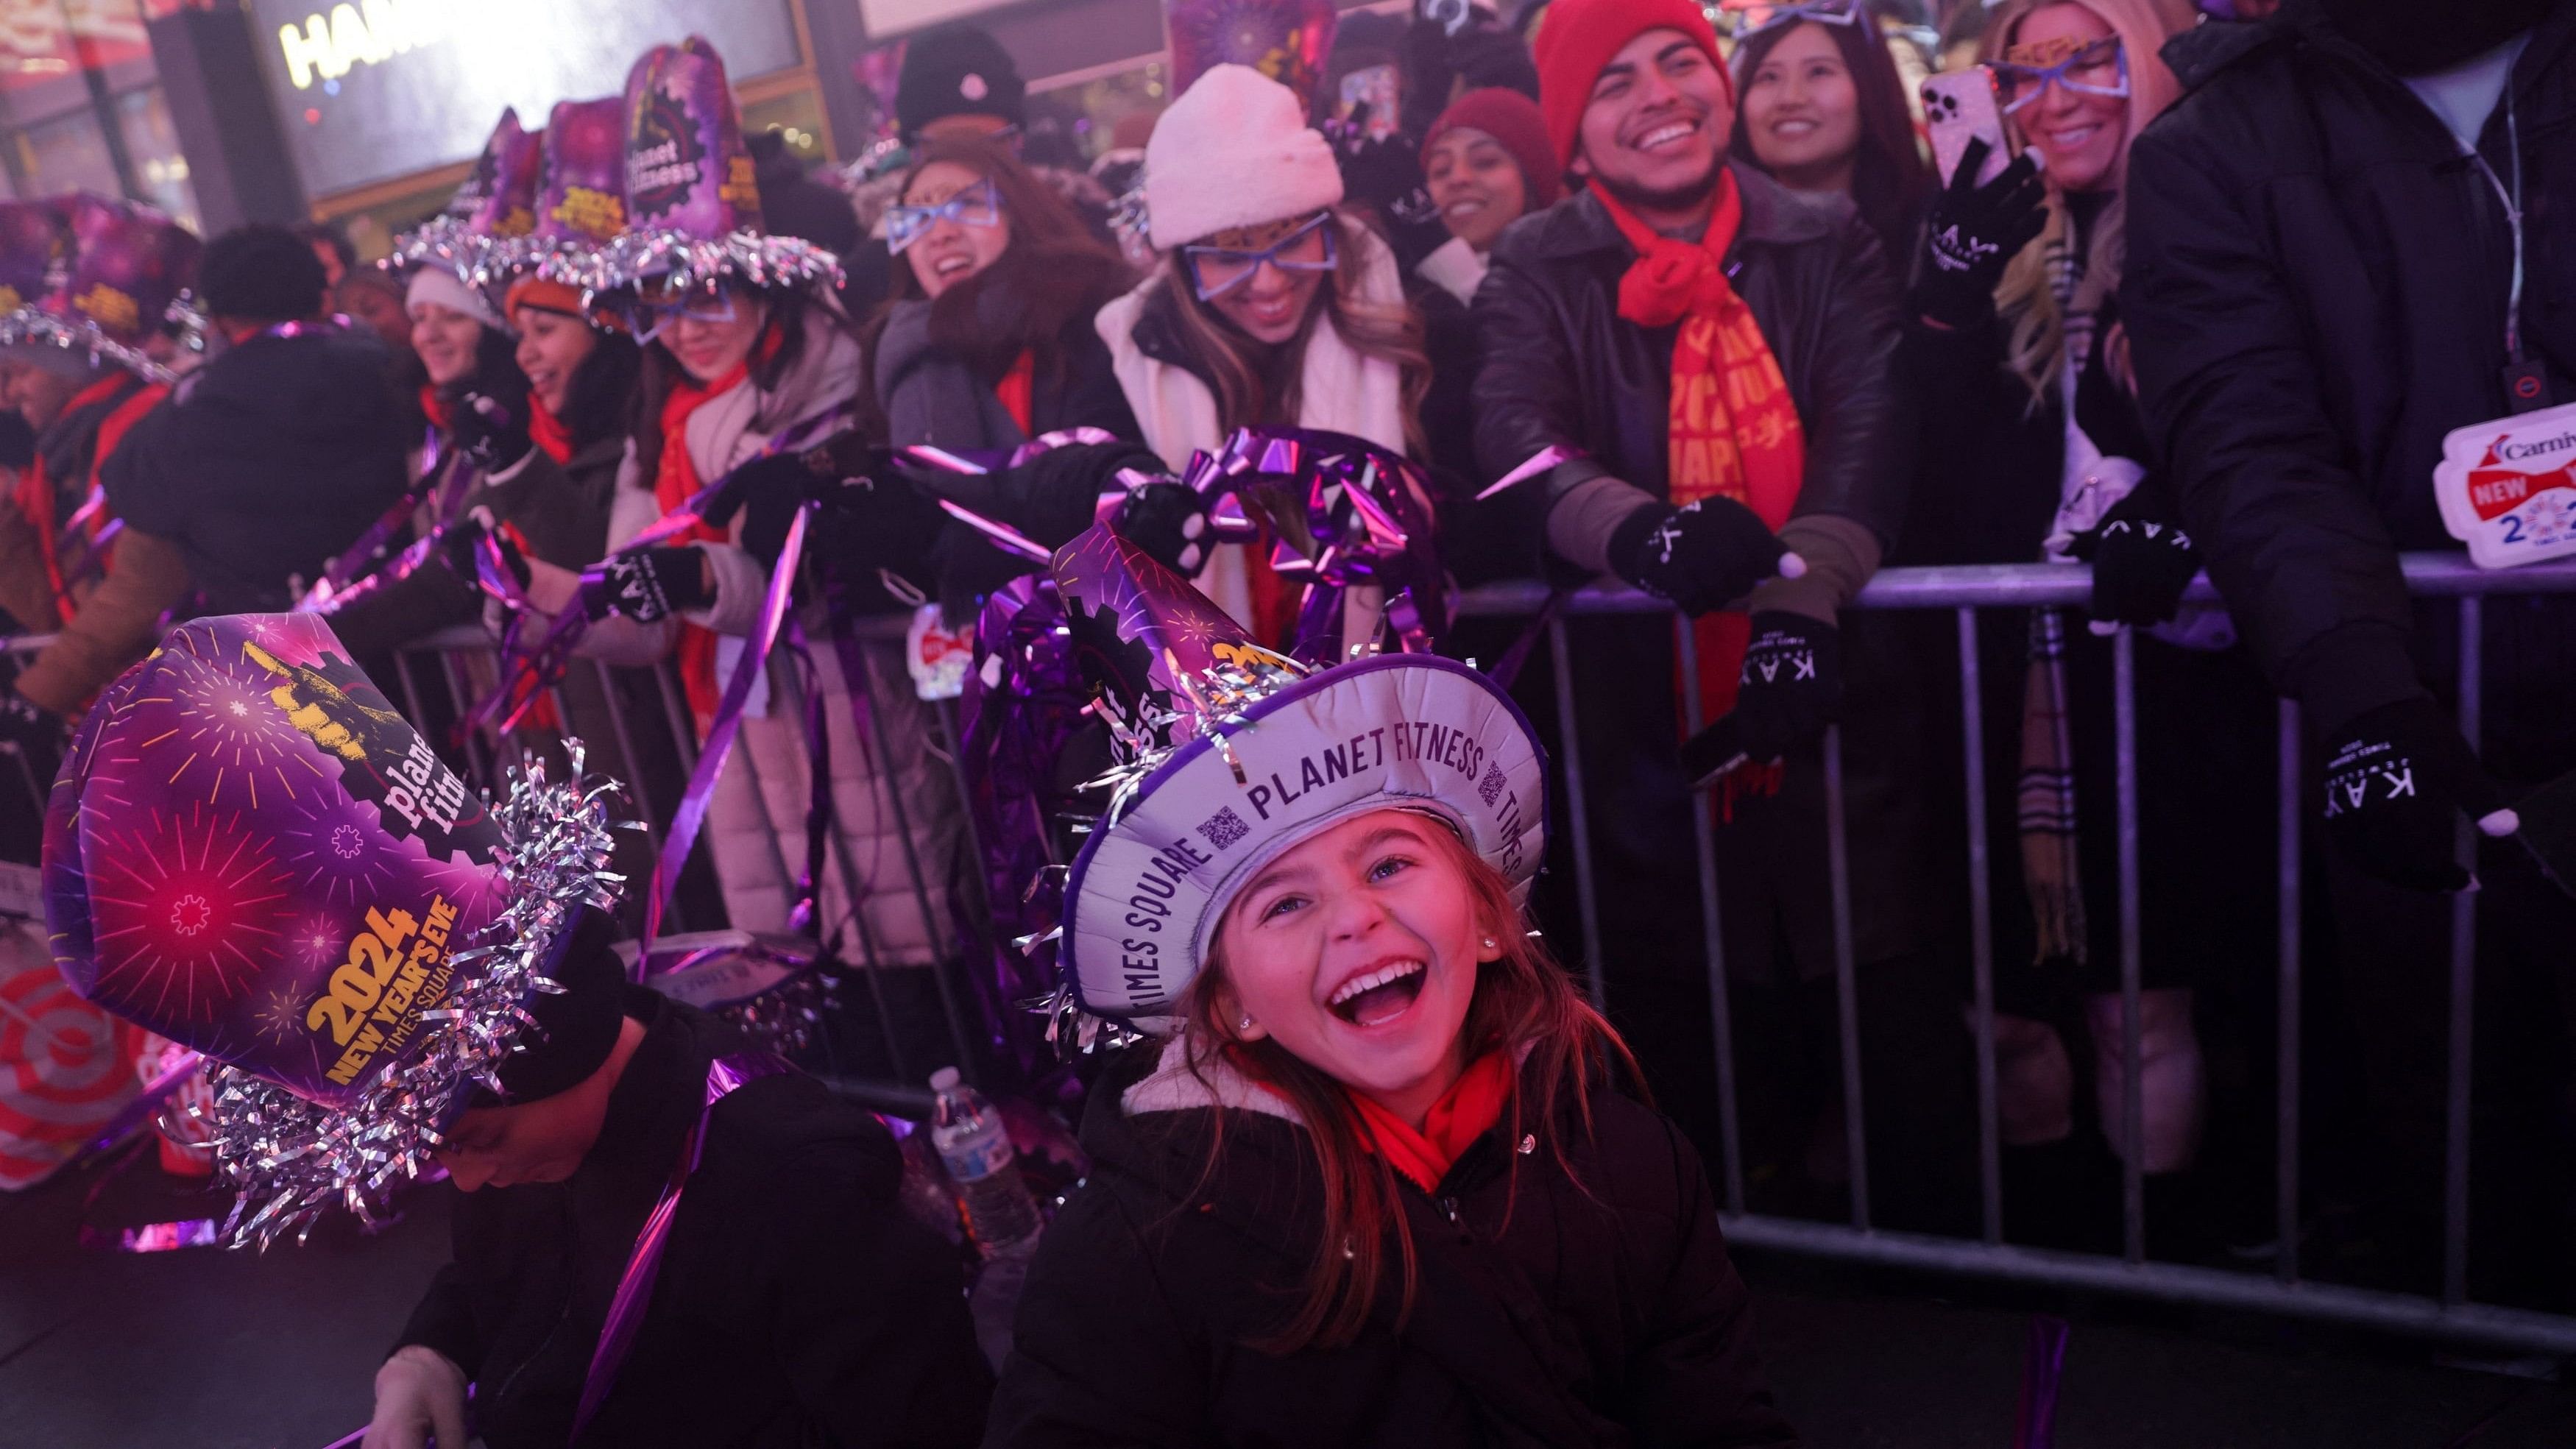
(22, 650)
(446, 662)
(1966, 590)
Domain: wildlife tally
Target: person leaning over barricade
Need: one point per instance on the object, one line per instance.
(1272, 304)
(1373, 1177)
(2346, 246)
(751, 374)
(1702, 357)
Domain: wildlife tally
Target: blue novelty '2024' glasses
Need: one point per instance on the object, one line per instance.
(2100, 68)
(976, 205)
(1745, 19)
(1215, 271)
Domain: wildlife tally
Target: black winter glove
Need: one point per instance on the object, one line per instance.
(2142, 561)
(489, 420)
(461, 545)
(1168, 521)
(2396, 782)
(33, 734)
(1791, 686)
(1698, 557)
(1386, 173)
(648, 586)
(1974, 231)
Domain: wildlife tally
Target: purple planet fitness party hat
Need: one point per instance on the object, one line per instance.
(692, 201)
(113, 289)
(1286, 40)
(475, 235)
(1229, 755)
(250, 852)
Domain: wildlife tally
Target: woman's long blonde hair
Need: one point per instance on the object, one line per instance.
(2035, 327)
(1247, 393)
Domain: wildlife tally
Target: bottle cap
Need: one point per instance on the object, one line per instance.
(946, 1079)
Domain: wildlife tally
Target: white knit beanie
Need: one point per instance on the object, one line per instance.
(1234, 150)
(439, 285)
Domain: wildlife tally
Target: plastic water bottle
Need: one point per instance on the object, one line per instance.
(976, 1149)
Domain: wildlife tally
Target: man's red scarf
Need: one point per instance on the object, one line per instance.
(1732, 431)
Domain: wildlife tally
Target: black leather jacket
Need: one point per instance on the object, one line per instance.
(1562, 368)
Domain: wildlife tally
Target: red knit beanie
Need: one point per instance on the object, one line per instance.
(1578, 37)
(1513, 120)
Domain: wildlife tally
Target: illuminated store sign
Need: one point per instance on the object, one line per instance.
(372, 89)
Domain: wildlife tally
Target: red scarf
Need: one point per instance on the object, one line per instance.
(675, 482)
(1732, 430)
(36, 487)
(551, 434)
(1017, 390)
(1467, 1111)
(433, 405)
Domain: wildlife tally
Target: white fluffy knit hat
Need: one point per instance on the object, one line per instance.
(1234, 150)
(433, 283)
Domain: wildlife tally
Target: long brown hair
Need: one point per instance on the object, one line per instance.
(1255, 384)
(1054, 273)
(1524, 1002)
(1890, 180)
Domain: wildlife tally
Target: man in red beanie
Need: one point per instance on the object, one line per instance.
(1709, 355)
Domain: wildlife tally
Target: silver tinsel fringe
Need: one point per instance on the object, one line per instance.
(29, 327)
(685, 263)
(290, 1158)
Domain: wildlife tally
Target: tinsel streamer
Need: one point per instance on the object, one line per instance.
(290, 1158)
(682, 263)
(29, 327)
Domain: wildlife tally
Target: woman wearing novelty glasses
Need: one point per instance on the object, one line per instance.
(987, 341)
(1270, 304)
(2034, 448)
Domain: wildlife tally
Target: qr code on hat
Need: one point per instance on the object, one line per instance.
(1224, 828)
(1490, 786)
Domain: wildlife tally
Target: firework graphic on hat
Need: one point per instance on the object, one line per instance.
(250, 852)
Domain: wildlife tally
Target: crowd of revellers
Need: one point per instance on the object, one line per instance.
(2206, 293)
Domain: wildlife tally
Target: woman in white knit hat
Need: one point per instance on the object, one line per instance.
(1271, 305)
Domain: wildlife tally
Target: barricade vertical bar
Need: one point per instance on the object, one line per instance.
(1720, 1009)
(624, 734)
(1846, 978)
(1981, 931)
(475, 756)
(2286, 1146)
(941, 959)
(2133, 1103)
(1588, 906)
(2464, 957)
(951, 744)
(837, 848)
(684, 723)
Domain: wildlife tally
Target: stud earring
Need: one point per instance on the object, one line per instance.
(1244, 1025)
(1489, 943)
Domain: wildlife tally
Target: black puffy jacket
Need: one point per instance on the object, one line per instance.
(264, 463)
(1556, 1316)
(2315, 293)
(1562, 369)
